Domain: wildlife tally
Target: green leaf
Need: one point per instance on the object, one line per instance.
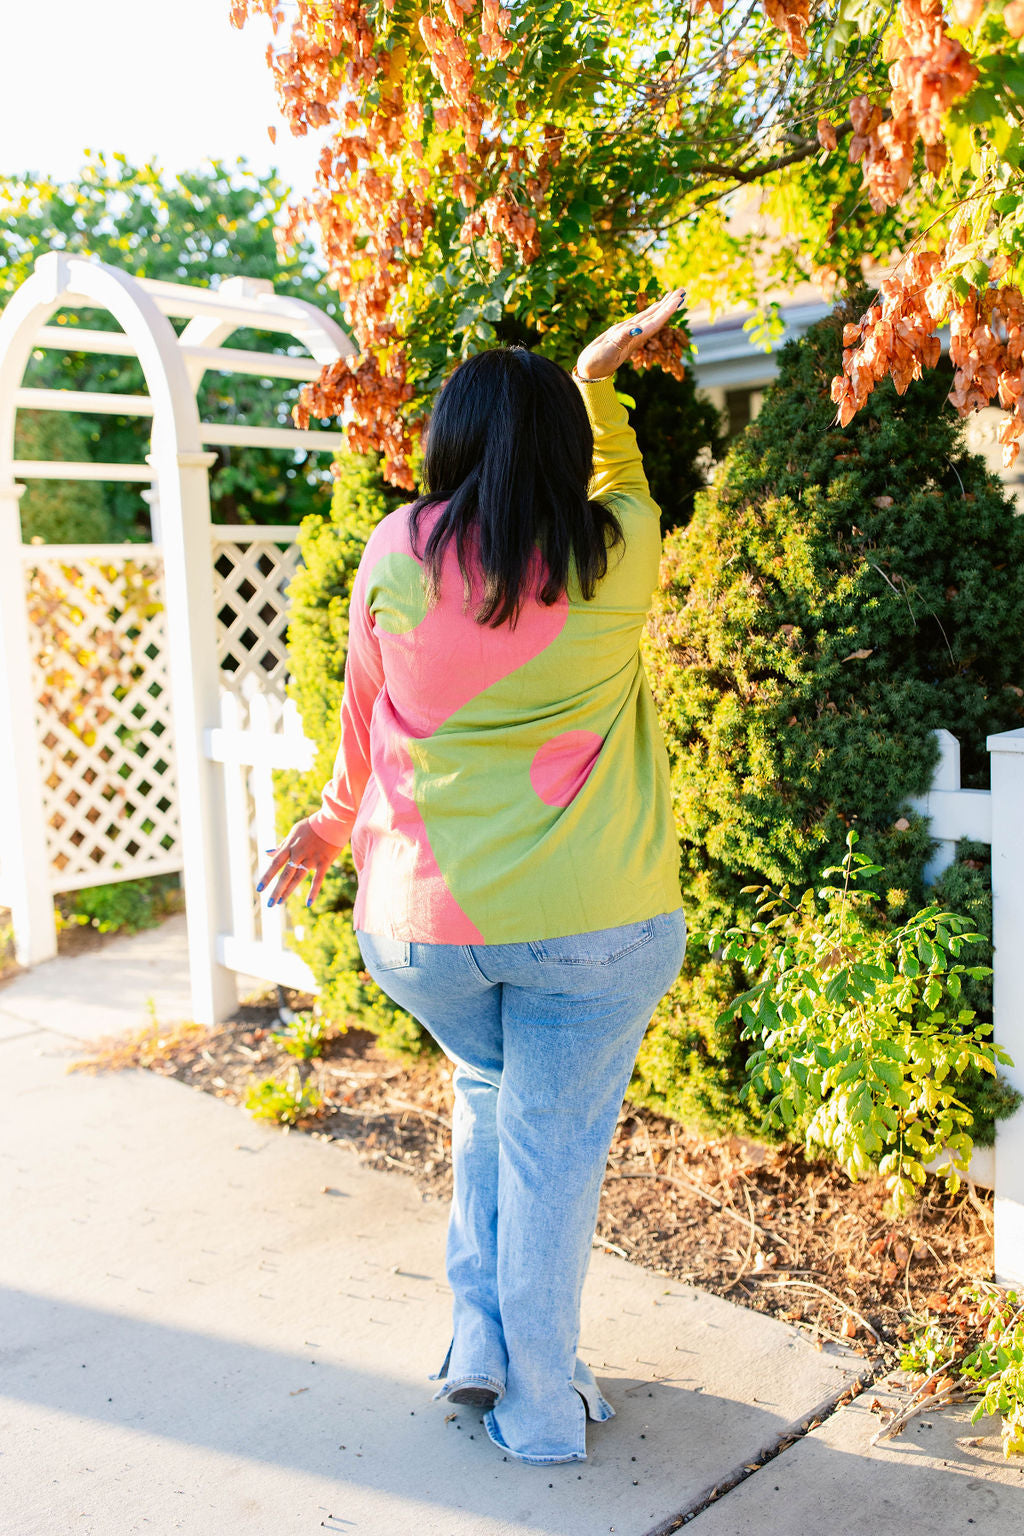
(889, 1073)
(976, 273)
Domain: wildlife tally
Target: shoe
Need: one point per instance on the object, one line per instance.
(473, 1397)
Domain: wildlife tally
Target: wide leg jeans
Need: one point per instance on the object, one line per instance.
(543, 1036)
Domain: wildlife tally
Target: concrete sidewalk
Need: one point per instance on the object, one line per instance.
(216, 1328)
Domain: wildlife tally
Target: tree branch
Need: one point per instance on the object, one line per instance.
(766, 167)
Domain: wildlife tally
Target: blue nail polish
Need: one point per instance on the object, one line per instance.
(636, 330)
(260, 886)
(270, 903)
(309, 901)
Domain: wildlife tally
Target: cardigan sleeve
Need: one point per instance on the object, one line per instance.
(618, 466)
(364, 678)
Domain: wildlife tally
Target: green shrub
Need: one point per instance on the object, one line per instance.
(317, 642)
(832, 602)
(61, 511)
(126, 906)
(979, 1352)
(862, 1035)
(813, 546)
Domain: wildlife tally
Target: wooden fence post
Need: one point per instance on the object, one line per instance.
(1007, 758)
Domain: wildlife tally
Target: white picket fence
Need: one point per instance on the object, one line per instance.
(995, 816)
(249, 751)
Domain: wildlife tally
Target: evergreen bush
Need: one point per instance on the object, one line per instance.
(836, 597)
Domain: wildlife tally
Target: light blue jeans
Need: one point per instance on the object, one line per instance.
(543, 1036)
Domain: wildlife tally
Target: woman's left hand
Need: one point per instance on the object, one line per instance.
(301, 853)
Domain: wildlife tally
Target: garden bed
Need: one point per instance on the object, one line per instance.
(764, 1227)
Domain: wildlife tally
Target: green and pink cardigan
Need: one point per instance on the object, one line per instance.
(502, 785)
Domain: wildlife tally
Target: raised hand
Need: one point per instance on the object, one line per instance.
(600, 358)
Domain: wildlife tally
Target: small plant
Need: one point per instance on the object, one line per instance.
(861, 1036)
(303, 1036)
(979, 1353)
(285, 1103)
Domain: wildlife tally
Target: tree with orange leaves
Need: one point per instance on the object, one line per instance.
(491, 169)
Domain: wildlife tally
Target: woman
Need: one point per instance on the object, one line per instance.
(504, 784)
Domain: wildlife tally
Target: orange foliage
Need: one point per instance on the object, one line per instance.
(929, 71)
(790, 16)
(371, 200)
(899, 337)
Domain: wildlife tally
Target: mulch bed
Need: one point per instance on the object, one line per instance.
(761, 1226)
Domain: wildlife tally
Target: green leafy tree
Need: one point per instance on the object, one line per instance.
(831, 604)
(61, 511)
(217, 221)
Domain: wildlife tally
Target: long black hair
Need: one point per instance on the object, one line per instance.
(511, 451)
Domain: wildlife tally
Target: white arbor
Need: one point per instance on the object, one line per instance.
(185, 545)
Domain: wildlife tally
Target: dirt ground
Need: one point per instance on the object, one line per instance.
(761, 1226)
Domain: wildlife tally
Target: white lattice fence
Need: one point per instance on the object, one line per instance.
(251, 572)
(103, 708)
(103, 712)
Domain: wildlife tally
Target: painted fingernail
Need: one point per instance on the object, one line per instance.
(270, 903)
(309, 901)
(636, 330)
(260, 886)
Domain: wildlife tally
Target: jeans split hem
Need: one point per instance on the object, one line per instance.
(491, 1426)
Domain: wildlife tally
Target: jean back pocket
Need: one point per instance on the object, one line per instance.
(602, 947)
(383, 954)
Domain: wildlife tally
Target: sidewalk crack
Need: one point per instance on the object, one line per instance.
(787, 1436)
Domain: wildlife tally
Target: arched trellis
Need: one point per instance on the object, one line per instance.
(177, 471)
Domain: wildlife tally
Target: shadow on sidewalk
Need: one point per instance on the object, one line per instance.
(265, 1405)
